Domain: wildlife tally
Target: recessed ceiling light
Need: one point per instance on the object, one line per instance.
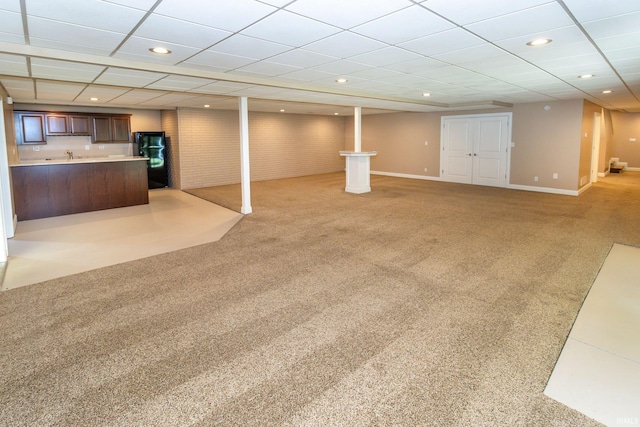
(207, 105)
(607, 91)
(341, 80)
(160, 50)
(336, 114)
(426, 94)
(586, 76)
(93, 99)
(282, 110)
(539, 42)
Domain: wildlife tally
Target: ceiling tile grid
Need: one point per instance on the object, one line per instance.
(273, 49)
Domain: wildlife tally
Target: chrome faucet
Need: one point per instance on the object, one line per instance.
(70, 154)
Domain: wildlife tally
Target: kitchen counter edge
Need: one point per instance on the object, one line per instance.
(78, 161)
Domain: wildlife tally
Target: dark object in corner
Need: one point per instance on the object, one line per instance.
(154, 145)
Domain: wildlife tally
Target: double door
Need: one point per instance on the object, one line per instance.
(475, 149)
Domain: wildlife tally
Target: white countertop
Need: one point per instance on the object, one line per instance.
(42, 162)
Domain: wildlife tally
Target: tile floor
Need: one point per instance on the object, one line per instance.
(598, 372)
(44, 249)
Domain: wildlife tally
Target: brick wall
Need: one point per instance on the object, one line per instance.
(170, 126)
(280, 146)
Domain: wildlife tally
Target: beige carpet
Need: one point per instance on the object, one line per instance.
(419, 304)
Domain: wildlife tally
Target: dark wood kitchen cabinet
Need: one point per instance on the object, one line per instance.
(42, 191)
(67, 124)
(30, 128)
(111, 129)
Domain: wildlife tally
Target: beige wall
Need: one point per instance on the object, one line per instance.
(280, 146)
(399, 139)
(626, 126)
(547, 142)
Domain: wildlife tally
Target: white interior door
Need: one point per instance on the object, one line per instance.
(475, 149)
(490, 151)
(457, 151)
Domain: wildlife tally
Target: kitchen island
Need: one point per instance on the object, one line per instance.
(46, 188)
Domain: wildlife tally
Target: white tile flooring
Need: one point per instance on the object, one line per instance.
(598, 372)
(44, 249)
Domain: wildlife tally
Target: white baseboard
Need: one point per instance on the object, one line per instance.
(603, 174)
(632, 169)
(546, 189)
(509, 186)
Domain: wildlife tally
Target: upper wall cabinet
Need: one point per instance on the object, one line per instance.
(111, 129)
(33, 127)
(30, 128)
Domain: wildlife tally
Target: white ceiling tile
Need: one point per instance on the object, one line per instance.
(404, 25)
(62, 70)
(179, 83)
(265, 69)
(249, 47)
(103, 93)
(592, 10)
(345, 45)
(231, 16)
(536, 19)
(168, 99)
(421, 64)
(14, 65)
(175, 31)
(57, 91)
(137, 96)
(126, 77)
(471, 55)
(302, 58)
(10, 5)
(290, 29)
(346, 14)
(308, 76)
(256, 91)
(385, 56)
(11, 23)
(464, 12)
(71, 37)
(442, 42)
(222, 87)
(623, 24)
(94, 13)
(19, 88)
(137, 4)
(137, 49)
(217, 61)
(560, 37)
(342, 66)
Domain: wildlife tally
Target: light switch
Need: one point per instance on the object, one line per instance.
(632, 140)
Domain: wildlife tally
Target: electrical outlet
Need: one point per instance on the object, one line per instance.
(100, 147)
(555, 176)
(87, 147)
(36, 148)
(535, 178)
(425, 169)
(425, 144)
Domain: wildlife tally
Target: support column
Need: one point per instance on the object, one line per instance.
(357, 162)
(245, 176)
(357, 127)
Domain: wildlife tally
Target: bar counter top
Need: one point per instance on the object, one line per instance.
(45, 162)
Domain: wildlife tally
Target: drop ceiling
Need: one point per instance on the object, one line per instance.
(287, 55)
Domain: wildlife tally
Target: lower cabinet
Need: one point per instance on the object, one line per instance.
(42, 191)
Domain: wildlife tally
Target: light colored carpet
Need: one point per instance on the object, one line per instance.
(419, 304)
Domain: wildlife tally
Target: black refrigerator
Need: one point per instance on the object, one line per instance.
(154, 146)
